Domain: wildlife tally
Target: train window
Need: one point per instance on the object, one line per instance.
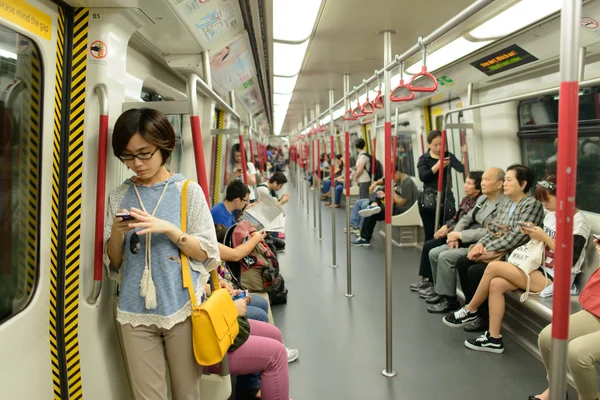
(20, 161)
(405, 154)
(543, 111)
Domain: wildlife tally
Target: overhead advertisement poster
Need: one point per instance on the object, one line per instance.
(233, 69)
(503, 60)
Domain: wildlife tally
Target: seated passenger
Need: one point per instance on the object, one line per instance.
(503, 236)
(584, 342)
(339, 183)
(472, 189)
(237, 197)
(501, 277)
(257, 307)
(405, 195)
(262, 352)
(356, 221)
(468, 230)
(278, 179)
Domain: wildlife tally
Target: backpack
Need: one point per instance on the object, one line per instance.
(259, 269)
(378, 173)
(278, 293)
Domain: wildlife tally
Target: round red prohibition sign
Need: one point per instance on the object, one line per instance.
(589, 23)
(98, 49)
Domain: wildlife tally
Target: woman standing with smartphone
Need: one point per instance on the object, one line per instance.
(153, 307)
(429, 168)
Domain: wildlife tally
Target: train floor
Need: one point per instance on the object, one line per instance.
(342, 340)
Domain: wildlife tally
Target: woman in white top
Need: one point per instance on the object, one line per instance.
(501, 277)
(236, 170)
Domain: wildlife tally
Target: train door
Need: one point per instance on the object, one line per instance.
(36, 330)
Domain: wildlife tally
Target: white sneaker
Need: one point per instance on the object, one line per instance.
(292, 354)
(371, 210)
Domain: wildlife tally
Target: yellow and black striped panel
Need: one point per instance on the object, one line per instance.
(427, 119)
(218, 158)
(29, 70)
(34, 154)
(74, 190)
(58, 90)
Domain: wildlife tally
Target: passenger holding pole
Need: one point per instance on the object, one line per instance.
(429, 166)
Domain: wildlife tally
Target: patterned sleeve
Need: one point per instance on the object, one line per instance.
(531, 212)
(114, 201)
(201, 226)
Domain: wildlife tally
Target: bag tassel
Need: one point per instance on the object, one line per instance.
(144, 282)
(151, 302)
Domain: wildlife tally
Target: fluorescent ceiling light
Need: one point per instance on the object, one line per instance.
(338, 113)
(447, 54)
(326, 120)
(516, 17)
(294, 20)
(282, 99)
(284, 85)
(7, 54)
(287, 58)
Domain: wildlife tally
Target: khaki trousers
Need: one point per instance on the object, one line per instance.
(150, 349)
(584, 351)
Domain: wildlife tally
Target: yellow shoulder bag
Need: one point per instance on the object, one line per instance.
(214, 322)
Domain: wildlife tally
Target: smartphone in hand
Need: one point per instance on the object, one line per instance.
(124, 216)
(242, 295)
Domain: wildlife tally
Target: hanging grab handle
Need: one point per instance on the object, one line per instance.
(348, 116)
(100, 193)
(367, 107)
(423, 73)
(357, 111)
(402, 87)
(378, 101)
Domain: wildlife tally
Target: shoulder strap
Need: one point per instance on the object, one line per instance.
(186, 274)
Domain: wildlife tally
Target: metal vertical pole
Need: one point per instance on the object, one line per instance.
(316, 161)
(347, 178)
(307, 168)
(318, 193)
(332, 176)
(568, 121)
(582, 53)
(387, 57)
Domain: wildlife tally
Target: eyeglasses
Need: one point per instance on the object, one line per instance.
(139, 156)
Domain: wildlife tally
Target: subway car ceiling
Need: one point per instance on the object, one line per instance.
(281, 68)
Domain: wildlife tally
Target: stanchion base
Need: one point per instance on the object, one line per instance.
(320, 238)
(333, 266)
(349, 295)
(390, 374)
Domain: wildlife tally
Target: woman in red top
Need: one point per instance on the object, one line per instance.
(584, 341)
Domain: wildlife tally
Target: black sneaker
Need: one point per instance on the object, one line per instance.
(445, 305)
(360, 242)
(486, 342)
(415, 287)
(434, 300)
(426, 293)
(460, 318)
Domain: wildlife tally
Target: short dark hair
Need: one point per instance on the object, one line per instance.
(360, 144)
(476, 176)
(431, 136)
(152, 126)
(544, 188)
(221, 231)
(235, 148)
(236, 190)
(278, 178)
(523, 174)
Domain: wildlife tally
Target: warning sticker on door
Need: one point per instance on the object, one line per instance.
(98, 49)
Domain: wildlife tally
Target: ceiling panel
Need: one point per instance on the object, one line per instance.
(347, 39)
